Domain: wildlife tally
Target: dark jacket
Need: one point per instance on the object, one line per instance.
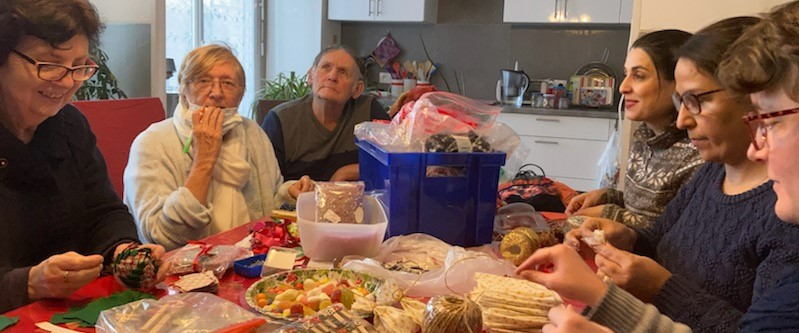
(55, 197)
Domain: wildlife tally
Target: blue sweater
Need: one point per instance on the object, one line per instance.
(777, 310)
(724, 251)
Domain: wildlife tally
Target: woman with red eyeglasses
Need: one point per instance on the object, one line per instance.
(60, 220)
(764, 63)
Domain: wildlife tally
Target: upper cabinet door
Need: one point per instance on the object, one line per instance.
(351, 10)
(591, 11)
(626, 14)
(531, 11)
(406, 10)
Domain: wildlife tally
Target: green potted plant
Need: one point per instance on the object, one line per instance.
(103, 85)
(274, 92)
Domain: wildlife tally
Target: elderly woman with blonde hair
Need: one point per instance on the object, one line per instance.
(206, 169)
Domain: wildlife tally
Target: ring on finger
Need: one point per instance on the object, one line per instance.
(607, 279)
(66, 276)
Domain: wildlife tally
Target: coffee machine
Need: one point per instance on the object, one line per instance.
(512, 86)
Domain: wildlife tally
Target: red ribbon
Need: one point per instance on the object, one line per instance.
(204, 249)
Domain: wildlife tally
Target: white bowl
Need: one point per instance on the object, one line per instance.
(322, 241)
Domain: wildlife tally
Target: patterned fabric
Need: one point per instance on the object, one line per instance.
(658, 167)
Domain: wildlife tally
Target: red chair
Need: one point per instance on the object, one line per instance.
(116, 123)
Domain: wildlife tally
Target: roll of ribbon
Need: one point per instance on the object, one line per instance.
(522, 242)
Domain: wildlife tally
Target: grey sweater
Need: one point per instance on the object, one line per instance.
(659, 165)
(622, 312)
(166, 212)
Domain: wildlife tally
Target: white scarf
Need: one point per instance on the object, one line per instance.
(231, 172)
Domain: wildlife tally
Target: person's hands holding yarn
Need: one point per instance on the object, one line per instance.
(640, 276)
(586, 200)
(62, 274)
(565, 319)
(569, 275)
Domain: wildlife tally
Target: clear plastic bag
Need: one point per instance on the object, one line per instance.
(382, 134)
(339, 202)
(451, 268)
(441, 113)
(198, 258)
(608, 171)
(191, 312)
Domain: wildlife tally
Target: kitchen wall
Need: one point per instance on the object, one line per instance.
(469, 38)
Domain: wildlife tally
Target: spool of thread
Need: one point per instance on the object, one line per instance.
(452, 314)
(520, 243)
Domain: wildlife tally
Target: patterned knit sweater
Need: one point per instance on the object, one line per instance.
(723, 251)
(659, 165)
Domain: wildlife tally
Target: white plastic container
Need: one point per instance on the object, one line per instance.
(325, 241)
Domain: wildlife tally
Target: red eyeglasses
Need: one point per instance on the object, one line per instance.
(758, 128)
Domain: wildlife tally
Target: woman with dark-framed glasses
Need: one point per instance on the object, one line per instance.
(60, 219)
(718, 246)
(206, 169)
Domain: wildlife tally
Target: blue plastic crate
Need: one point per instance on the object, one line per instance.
(459, 210)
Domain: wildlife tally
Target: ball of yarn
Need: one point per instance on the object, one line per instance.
(135, 267)
(520, 243)
(452, 314)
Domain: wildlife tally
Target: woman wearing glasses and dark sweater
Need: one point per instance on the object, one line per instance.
(60, 219)
(717, 249)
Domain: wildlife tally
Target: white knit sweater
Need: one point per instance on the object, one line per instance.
(165, 211)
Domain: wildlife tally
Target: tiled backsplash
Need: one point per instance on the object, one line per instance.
(471, 39)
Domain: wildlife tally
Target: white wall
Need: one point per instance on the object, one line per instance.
(295, 32)
(151, 12)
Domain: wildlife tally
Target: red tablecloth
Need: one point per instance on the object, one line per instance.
(231, 287)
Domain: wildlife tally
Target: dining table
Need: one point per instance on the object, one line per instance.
(231, 287)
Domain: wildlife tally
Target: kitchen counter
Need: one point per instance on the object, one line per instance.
(609, 113)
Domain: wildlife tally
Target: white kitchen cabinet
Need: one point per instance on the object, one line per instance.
(626, 11)
(690, 15)
(567, 148)
(383, 10)
(565, 11)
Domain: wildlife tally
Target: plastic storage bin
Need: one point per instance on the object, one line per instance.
(459, 210)
(323, 241)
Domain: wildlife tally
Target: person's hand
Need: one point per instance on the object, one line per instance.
(593, 211)
(565, 319)
(61, 275)
(346, 173)
(304, 184)
(570, 276)
(616, 233)
(586, 200)
(207, 135)
(640, 276)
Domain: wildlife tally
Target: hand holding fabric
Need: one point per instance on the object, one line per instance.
(61, 275)
(570, 276)
(640, 276)
(565, 319)
(616, 233)
(586, 200)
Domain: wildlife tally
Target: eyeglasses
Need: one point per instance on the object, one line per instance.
(691, 101)
(50, 71)
(205, 84)
(758, 128)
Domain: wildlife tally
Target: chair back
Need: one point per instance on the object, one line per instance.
(116, 123)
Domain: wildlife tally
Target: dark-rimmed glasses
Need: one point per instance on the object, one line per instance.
(205, 84)
(758, 128)
(50, 71)
(691, 101)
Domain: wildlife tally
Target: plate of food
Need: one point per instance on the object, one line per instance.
(292, 295)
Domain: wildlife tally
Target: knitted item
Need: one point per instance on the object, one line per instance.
(723, 251)
(135, 267)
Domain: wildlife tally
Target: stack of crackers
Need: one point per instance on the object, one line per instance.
(512, 305)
